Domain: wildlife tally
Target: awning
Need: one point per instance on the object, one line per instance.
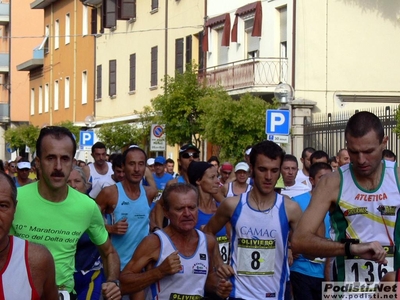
(226, 20)
(244, 10)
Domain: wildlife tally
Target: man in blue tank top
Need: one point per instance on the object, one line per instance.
(128, 202)
(179, 261)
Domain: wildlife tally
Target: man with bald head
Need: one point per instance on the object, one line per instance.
(343, 157)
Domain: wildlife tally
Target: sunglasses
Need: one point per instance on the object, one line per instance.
(190, 154)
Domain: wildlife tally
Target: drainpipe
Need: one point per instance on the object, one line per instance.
(166, 43)
(74, 62)
(294, 46)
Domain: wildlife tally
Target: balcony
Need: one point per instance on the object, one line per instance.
(4, 113)
(4, 63)
(262, 74)
(4, 13)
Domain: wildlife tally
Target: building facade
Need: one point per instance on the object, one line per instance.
(62, 86)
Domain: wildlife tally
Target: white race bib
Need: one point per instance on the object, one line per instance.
(256, 257)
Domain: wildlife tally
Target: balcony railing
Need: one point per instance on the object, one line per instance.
(4, 62)
(257, 72)
(4, 112)
(4, 13)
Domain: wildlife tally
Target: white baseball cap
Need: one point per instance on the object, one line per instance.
(150, 161)
(242, 166)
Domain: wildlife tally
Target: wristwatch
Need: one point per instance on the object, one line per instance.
(115, 281)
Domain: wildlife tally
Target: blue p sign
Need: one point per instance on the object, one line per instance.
(86, 138)
(277, 122)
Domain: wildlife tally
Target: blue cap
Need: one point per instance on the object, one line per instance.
(160, 160)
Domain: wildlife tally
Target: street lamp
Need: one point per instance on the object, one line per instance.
(90, 121)
(284, 94)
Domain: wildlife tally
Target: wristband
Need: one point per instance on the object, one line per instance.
(347, 249)
(155, 228)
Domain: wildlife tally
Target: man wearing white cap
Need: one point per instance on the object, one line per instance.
(240, 185)
(23, 169)
(150, 164)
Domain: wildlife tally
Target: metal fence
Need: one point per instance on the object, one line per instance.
(326, 131)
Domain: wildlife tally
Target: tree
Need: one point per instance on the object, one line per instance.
(178, 107)
(234, 124)
(396, 130)
(141, 128)
(75, 130)
(115, 135)
(21, 136)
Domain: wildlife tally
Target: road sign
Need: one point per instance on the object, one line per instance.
(284, 139)
(277, 122)
(157, 138)
(86, 140)
(9, 149)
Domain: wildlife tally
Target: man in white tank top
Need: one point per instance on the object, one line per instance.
(179, 261)
(99, 169)
(261, 220)
(362, 198)
(28, 270)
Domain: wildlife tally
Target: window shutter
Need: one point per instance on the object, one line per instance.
(201, 54)
(93, 21)
(109, 13)
(154, 62)
(154, 4)
(98, 79)
(126, 9)
(112, 78)
(179, 55)
(189, 49)
(132, 72)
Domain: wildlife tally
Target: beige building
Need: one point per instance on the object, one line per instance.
(62, 80)
(137, 44)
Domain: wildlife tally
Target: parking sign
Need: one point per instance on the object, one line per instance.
(277, 122)
(86, 139)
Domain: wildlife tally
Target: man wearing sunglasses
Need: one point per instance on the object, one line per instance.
(187, 154)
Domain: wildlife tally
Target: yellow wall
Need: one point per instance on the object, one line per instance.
(184, 18)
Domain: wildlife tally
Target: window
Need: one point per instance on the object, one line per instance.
(40, 101)
(45, 43)
(66, 92)
(283, 31)
(154, 4)
(132, 72)
(46, 98)
(109, 13)
(57, 34)
(98, 81)
(85, 20)
(252, 42)
(154, 67)
(179, 55)
(84, 88)
(222, 51)
(56, 95)
(32, 102)
(126, 9)
(67, 29)
(112, 85)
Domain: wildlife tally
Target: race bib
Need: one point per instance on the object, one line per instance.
(256, 257)
(224, 249)
(362, 270)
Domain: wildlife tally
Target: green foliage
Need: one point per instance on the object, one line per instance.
(116, 135)
(396, 130)
(21, 136)
(178, 107)
(234, 124)
(141, 128)
(71, 127)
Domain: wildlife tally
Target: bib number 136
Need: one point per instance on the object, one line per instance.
(360, 270)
